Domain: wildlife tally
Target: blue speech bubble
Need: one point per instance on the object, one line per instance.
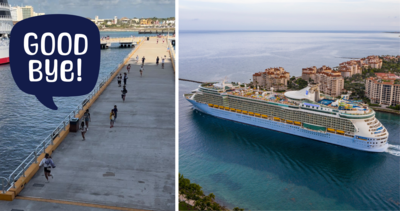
(55, 56)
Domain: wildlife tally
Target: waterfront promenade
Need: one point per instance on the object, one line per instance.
(128, 167)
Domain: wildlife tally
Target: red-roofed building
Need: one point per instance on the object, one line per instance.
(383, 89)
(275, 77)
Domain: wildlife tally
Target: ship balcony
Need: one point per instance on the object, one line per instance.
(5, 6)
(5, 17)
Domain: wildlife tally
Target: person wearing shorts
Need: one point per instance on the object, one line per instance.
(124, 91)
(141, 70)
(86, 115)
(83, 129)
(119, 78)
(47, 163)
(112, 118)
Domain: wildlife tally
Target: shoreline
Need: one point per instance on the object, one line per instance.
(136, 30)
(385, 110)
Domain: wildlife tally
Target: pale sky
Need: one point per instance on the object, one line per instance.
(105, 9)
(367, 15)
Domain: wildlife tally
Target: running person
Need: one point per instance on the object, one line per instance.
(157, 60)
(143, 60)
(128, 67)
(162, 62)
(124, 91)
(137, 58)
(47, 163)
(119, 78)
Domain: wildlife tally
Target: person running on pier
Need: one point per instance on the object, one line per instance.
(157, 41)
(119, 78)
(125, 78)
(112, 118)
(115, 112)
(124, 91)
(137, 58)
(162, 63)
(83, 129)
(47, 163)
(143, 60)
(157, 60)
(141, 70)
(128, 67)
(86, 115)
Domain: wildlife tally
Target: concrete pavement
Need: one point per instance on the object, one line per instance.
(131, 165)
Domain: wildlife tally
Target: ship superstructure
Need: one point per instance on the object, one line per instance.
(6, 25)
(307, 113)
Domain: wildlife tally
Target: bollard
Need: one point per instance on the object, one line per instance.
(35, 156)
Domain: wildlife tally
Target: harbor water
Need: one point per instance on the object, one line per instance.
(25, 122)
(260, 169)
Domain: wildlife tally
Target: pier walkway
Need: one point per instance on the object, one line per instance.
(128, 167)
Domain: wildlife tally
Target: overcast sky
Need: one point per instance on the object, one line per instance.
(103, 8)
(370, 15)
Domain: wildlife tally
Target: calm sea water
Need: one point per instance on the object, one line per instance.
(260, 169)
(25, 122)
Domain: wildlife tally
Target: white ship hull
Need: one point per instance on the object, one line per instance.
(341, 140)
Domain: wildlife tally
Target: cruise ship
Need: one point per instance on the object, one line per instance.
(6, 25)
(306, 113)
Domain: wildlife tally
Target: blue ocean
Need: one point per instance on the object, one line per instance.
(260, 169)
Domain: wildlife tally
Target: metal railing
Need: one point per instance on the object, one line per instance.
(4, 5)
(172, 51)
(5, 17)
(9, 182)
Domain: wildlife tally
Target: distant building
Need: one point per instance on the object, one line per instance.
(272, 77)
(391, 58)
(383, 89)
(124, 20)
(349, 68)
(170, 22)
(27, 12)
(330, 82)
(135, 20)
(371, 61)
(143, 22)
(20, 13)
(115, 20)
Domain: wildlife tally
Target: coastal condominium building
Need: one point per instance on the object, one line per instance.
(391, 58)
(383, 89)
(349, 68)
(371, 61)
(272, 77)
(330, 82)
(20, 13)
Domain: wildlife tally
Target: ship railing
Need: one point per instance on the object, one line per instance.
(19, 171)
(4, 5)
(5, 17)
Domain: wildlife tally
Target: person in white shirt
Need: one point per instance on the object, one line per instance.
(162, 62)
(141, 70)
(47, 163)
